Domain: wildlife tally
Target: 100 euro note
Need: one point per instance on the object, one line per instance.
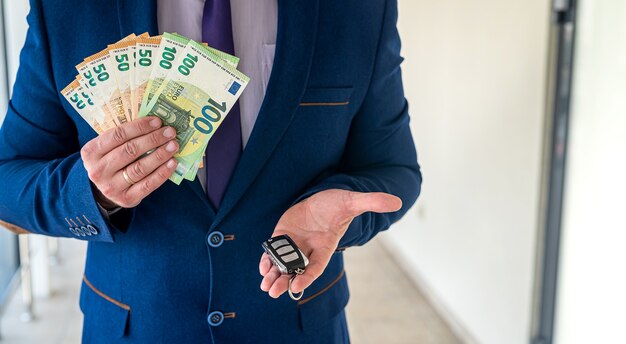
(195, 98)
(230, 59)
(166, 57)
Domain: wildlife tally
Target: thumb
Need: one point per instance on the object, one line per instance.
(378, 202)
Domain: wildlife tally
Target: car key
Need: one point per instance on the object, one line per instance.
(287, 257)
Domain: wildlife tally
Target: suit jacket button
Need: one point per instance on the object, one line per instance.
(85, 230)
(92, 229)
(215, 239)
(215, 318)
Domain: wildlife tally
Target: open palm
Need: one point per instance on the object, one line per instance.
(316, 225)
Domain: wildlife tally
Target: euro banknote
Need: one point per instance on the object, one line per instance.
(194, 97)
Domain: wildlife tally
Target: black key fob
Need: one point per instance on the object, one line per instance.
(286, 255)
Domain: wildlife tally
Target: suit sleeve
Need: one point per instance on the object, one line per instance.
(380, 154)
(44, 185)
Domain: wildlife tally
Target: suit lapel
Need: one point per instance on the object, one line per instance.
(296, 37)
(297, 27)
(137, 16)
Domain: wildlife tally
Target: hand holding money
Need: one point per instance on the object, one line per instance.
(188, 85)
(116, 164)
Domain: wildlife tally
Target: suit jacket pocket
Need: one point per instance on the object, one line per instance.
(316, 309)
(326, 97)
(105, 316)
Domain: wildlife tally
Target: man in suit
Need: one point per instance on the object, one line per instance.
(319, 148)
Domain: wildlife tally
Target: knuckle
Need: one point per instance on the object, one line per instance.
(119, 135)
(107, 189)
(127, 200)
(155, 138)
(162, 174)
(95, 172)
(147, 186)
(87, 150)
(159, 154)
(130, 148)
(144, 126)
(138, 169)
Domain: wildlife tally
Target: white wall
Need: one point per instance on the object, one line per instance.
(592, 280)
(15, 12)
(475, 79)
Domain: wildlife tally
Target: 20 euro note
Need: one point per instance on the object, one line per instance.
(195, 98)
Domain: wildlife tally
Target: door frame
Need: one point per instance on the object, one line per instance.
(560, 72)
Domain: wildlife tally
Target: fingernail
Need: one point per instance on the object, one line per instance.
(171, 164)
(169, 132)
(171, 147)
(155, 122)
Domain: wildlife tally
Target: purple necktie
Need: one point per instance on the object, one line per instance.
(225, 146)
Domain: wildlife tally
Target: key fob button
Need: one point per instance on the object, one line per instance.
(290, 257)
(279, 243)
(284, 250)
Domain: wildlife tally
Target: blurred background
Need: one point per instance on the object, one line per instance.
(519, 116)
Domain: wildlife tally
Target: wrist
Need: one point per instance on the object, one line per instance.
(103, 201)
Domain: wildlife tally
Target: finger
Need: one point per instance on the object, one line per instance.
(125, 154)
(280, 286)
(265, 264)
(141, 168)
(379, 202)
(144, 187)
(318, 261)
(270, 278)
(116, 137)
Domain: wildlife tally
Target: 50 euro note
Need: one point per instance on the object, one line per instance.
(86, 80)
(92, 85)
(145, 55)
(80, 100)
(97, 72)
(195, 98)
(101, 75)
(123, 62)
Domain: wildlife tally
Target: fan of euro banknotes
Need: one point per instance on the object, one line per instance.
(187, 84)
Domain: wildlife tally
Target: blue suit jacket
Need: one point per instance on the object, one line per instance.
(334, 116)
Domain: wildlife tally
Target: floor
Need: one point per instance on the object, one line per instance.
(385, 307)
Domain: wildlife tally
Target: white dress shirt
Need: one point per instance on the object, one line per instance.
(254, 35)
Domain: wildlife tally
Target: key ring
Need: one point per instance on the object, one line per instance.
(291, 295)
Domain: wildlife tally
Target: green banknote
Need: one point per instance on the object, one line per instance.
(194, 98)
(166, 57)
(230, 59)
